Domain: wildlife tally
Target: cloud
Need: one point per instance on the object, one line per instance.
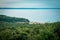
(25, 5)
(10, 1)
(30, 3)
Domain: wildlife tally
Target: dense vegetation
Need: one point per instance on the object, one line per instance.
(25, 31)
(12, 19)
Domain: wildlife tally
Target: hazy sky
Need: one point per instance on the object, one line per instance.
(42, 15)
(30, 3)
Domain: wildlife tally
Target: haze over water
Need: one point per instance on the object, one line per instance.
(34, 15)
(41, 15)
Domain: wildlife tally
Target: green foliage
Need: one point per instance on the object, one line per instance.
(12, 29)
(24, 31)
(12, 19)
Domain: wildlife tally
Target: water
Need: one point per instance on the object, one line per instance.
(40, 15)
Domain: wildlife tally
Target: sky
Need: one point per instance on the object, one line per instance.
(30, 3)
(41, 15)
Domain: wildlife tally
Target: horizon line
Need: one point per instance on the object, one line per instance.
(29, 8)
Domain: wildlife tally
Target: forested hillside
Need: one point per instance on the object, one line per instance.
(5, 18)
